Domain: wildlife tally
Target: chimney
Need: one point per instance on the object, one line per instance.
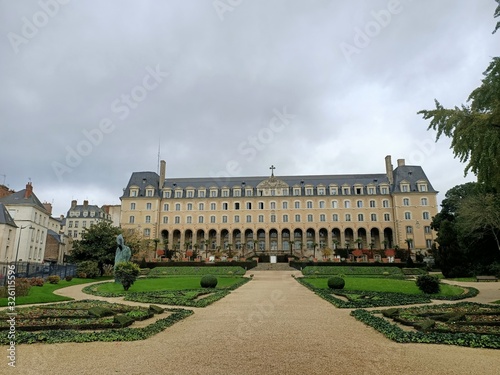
(85, 204)
(29, 190)
(48, 208)
(163, 168)
(73, 203)
(401, 162)
(389, 169)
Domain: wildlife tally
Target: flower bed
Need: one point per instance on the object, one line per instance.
(352, 270)
(465, 324)
(206, 270)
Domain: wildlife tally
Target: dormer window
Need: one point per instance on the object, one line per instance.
(166, 194)
(149, 192)
(134, 192)
(178, 193)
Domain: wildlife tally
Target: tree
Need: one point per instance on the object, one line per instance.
(475, 129)
(98, 244)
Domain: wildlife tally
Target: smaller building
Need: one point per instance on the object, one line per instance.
(81, 216)
(8, 230)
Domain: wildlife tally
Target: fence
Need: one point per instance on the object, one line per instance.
(27, 269)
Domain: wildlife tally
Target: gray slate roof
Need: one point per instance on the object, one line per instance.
(5, 217)
(145, 179)
(55, 235)
(18, 198)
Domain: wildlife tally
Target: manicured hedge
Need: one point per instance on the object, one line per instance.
(217, 271)
(349, 270)
(246, 265)
(300, 265)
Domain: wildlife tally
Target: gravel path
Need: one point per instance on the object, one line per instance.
(271, 325)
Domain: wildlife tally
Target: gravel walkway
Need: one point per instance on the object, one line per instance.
(271, 325)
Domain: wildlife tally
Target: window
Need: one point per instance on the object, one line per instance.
(178, 194)
(409, 229)
(249, 205)
(165, 219)
(407, 215)
(200, 219)
(297, 218)
(201, 193)
(285, 218)
(177, 220)
(361, 217)
(70, 224)
(406, 201)
(322, 217)
(405, 188)
(165, 207)
(177, 206)
(249, 218)
(385, 203)
(321, 204)
(387, 217)
(333, 191)
(224, 206)
(427, 229)
(190, 194)
(285, 205)
(248, 192)
(273, 218)
(261, 218)
(428, 243)
(148, 219)
(149, 193)
(335, 217)
(346, 191)
(212, 219)
(132, 206)
(76, 224)
(296, 204)
(131, 220)
(166, 194)
(189, 207)
(373, 217)
(148, 206)
(273, 205)
(213, 193)
(425, 216)
(310, 218)
(422, 187)
(321, 191)
(237, 192)
(347, 217)
(359, 191)
(213, 206)
(335, 204)
(359, 204)
(189, 220)
(201, 206)
(261, 205)
(309, 191)
(225, 193)
(373, 204)
(384, 190)
(423, 202)
(347, 204)
(309, 204)
(237, 205)
(371, 190)
(224, 219)
(133, 193)
(236, 218)
(84, 224)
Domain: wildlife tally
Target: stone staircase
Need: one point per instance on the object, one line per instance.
(273, 267)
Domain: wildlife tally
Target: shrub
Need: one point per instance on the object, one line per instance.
(126, 273)
(68, 278)
(53, 279)
(428, 284)
(336, 282)
(208, 281)
(22, 288)
(409, 262)
(37, 281)
(88, 269)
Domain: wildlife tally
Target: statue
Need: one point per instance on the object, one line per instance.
(123, 252)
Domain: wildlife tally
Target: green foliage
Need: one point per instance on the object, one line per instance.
(126, 273)
(53, 279)
(98, 244)
(208, 281)
(88, 269)
(336, 282)
(68, 278)
(428, 284)
(123, 320)
(99, 311)
(352, 270)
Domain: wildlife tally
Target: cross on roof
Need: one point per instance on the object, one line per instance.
(272, 168)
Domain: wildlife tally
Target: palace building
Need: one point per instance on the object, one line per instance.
(297, 215)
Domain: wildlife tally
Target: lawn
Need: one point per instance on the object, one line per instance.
(164, 283)
(45, 293)
(382, 285)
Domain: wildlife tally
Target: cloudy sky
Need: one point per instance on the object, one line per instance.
(91, 89)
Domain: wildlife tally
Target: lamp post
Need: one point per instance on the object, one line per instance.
(19, 241)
